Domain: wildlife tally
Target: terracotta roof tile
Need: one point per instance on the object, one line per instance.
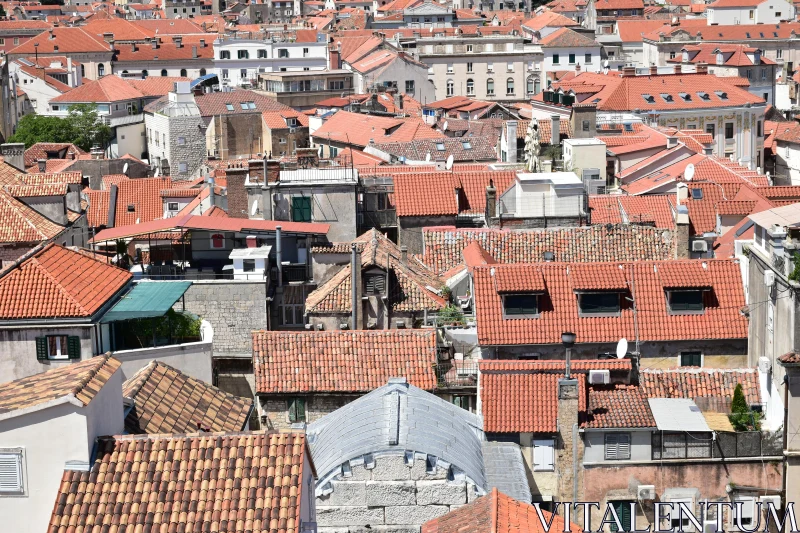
(166, 400)
(59, 283)
(443, 245)
(69, 40)
(567, 38)
(648, 209)
(519, 278)
(480, 149)
(597, 277)
(721, 319)
(357, 129)
(105, 89)
(40, 151)
(684, 275)
(695, 383)
(495, 513)
(81, 381)
(341, 361)
(430, 193)
(27, 191)
(97, 213)
(618, 406)
(242, 482)
(74, 178)
(213, 104)
(144, 194)
(20, 223)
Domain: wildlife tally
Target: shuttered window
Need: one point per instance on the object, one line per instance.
(301, 209)
(623, 510)
(11, 473)
(618, 446)
(543, 455)
(297, 410)
(374, 283)
(58, 347)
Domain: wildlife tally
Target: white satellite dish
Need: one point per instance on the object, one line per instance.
(450, 160)
(605, 63)
(125, 168)
(688, 174)
(428, 157)
(622, 348)
(254, 210)
(444, 126)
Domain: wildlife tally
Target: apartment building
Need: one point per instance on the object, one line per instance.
(749, 12)
(502, 67)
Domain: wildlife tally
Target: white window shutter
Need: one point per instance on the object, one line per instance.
(624, 446)
(611, 446)
(11, 472)
(543, 455)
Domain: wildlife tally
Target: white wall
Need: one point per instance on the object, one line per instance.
(191, 358)
(301, 56)
(768, 12)
(580, 58)
(594, 440)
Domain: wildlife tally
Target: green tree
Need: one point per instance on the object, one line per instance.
(32, 129)
(741, 417)
(88, 127)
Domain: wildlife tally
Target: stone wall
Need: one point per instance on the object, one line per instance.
(192, 151)
(276, 407)
(233, 308)
(390, 496)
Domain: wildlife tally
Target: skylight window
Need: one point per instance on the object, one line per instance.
(697, 194)
(747, 34)
(667, 97)
(722, 95)
(704, 96)
(628, 126)
(467, 145)
(649, 98)
(775, 33)
(686, 97)
(761, 33)
(244, 105)
(229, 107)
(440, 147)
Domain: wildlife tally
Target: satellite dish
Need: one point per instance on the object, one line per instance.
(449, 163)
(428, 157)
(622, 348)
(254, 210)
(605, 63)
(688, 174)
(444, 126)
(125, 168)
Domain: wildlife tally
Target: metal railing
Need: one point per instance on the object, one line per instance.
(456, 374)
(748, 444)
(379, 219)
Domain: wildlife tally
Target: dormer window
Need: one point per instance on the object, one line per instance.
(520, 305)
(292, 122)
(685, 301)
(721, 94)
(686, 97)
(375, 284)
(599, 303)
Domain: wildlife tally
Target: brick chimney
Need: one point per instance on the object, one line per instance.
(255, 167)
(42, 165)
(653, 70)
(237, 194)
(194, 52)
(628, 72)
(702, 68)
(273, 170)
(335, 58)
(178, 40)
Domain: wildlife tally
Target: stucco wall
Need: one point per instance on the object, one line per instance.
(233, 308)
(391, 497)
(334, 205)
(18, 350)
(192, 358)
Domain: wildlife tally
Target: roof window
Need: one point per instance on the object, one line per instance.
(467, 145)
(649, 98)
(697, 194)
(599, 303)
(520, 305)
(748, 34)
(722, 95)
(229, 107)
(686, 97)
(704, 96)
(628, 126)
(667, 97)
(131, 208)
(686, 301)
(440, 147)
(761, 33)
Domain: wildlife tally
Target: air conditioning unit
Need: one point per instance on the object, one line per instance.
(766, 500)
(710, 526)
(344, 325)
(646, 492)
(699, 246)
(769, 278)
(599, 377)
(764, 365)
(292, 130)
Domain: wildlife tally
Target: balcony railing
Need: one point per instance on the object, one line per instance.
(456, 374)
(378, 219)
(748, 444)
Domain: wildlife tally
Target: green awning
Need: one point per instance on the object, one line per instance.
(147, 299)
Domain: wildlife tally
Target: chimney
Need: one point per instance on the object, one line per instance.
(404, 255)
(273, 170)
(702, 68)
(555, 126)
(133, 47)
(154, 43)
(194, 52)
(202, 42)
(511, 140)
(708, 150)
(355, 288)
(398, 100)
(335, 59)
(672, 141)
(14, 155)
(569, 455)
(97, 152)
(577, 68)
(682, 227)
(279, 255)
(42, 165)
(53, 36)
(628, 72)
(491, 201)
(178, 40)
(237, 194)
(112, 206)
(653, 70)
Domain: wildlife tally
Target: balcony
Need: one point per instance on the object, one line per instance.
(293, 272)
(378, 219)
(456, 374)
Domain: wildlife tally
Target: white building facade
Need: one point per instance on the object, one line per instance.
(767, 12)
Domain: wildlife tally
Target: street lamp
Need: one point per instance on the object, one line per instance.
(568, 340)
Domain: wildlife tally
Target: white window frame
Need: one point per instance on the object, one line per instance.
(748, 508)
(15, 487)
(544, 455)
(62, 352)
(675, 511)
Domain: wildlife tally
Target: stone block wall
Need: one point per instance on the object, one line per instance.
(193, 149)
(233, 308)
(390, 496)
(276, 408)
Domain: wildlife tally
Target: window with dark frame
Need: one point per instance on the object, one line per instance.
(682, 301)
(617, 446)
(729, 130)
(375, 284)
(520, 305)
(623, 510)
(249, 265)
(592, 303)
(680, 445)
(301, 209)
(57, 347)
(297, 409)
(692, 359)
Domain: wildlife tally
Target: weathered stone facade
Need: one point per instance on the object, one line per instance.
(233, 308)
(191, 150)
(276, 408)
(390, 495)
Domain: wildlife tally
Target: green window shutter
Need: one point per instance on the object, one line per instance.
(623, 510)
(301, 209)
(41, 348)
(301, 409)
(74, 347)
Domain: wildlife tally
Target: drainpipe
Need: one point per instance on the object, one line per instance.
(353, 288)
(278, 255)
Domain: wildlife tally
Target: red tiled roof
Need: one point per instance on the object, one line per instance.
(632, 31)
(21, 223)
(646, 209)
(222, 497)
(59, 283)
(106, 89)
(567, 38)
(69, 40)
(618, 406)
(213, 104)
(39, 151)
(443, 245)
(548, 19)
(519, 278)
(495, 513)
(722, 318)
(432, 193)
(74, 178)
(522, 396)
(684, 275)
(144, 194)
(97, 213)
(701, 383)
(734, 55)
(357, 129)
(341, 361)
(597, 277)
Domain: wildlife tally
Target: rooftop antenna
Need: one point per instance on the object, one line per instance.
(688, 174)
(622, 348)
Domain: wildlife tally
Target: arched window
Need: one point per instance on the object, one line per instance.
(510, 86)
(537, 86)
(451, 87)
(202, 72)
(470, 87)
(183, 72)
(144, 74)
(490, 87)
(101, 70)
(529, 85)
(163, 73)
